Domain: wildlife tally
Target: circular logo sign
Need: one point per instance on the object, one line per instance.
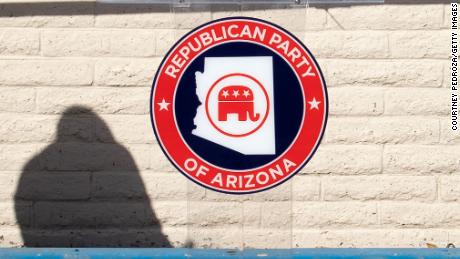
(239, 105)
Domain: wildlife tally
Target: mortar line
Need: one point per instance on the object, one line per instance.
(187, 231)
(439, 130)
(242, 223)
(291, 215)
(40, 35)
(438, 187)
(381, 159)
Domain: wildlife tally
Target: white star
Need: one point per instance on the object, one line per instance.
(225, 93)
(163, 105)
(235, 93)
(246, 93)
(314, 104)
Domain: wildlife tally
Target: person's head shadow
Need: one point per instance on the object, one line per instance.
(84, 190)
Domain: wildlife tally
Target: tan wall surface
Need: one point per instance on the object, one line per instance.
(385, 175)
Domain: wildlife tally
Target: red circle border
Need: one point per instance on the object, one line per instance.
(205, 173)
(266, 98)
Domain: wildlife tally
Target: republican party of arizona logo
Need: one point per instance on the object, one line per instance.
(239, 105)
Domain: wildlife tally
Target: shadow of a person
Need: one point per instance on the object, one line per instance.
(84, 190)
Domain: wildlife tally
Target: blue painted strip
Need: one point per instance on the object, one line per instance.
(147, 253)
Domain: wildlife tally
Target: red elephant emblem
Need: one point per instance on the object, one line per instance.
(237, 99)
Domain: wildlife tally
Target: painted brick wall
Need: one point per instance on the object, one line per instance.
(386, 174)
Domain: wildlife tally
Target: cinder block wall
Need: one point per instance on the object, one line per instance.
(79, 165)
